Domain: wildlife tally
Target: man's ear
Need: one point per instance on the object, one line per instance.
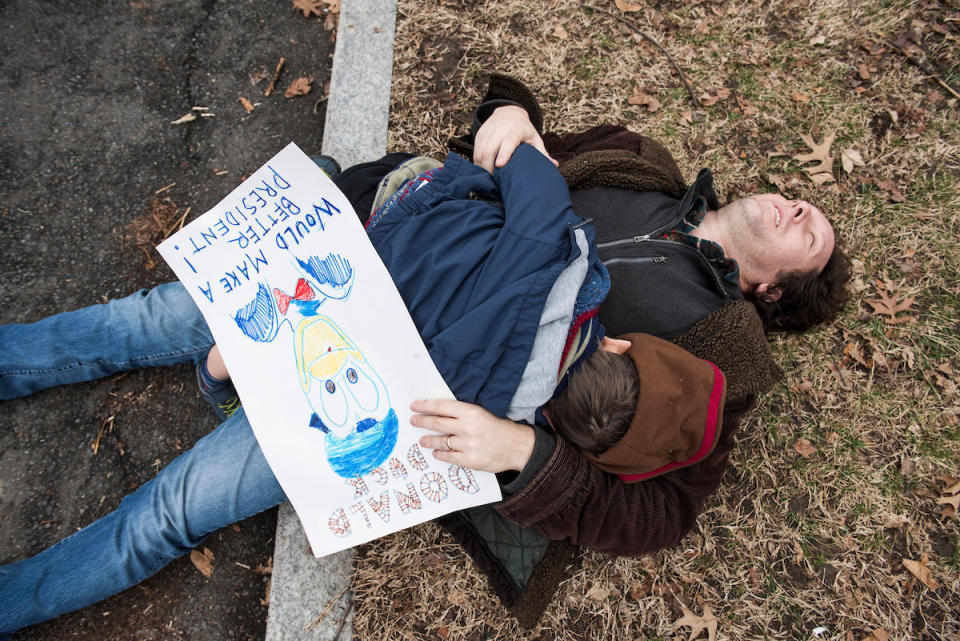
(768, 292)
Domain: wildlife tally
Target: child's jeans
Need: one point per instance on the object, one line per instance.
(222, 479)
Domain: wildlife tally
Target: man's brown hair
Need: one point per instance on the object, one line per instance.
(597, 406)
(807, 298)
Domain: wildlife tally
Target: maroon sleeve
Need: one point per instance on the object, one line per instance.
(571, 499)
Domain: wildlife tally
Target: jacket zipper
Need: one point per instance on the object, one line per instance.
(639, 259)
(646, 238)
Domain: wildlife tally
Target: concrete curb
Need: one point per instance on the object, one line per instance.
(355, 131)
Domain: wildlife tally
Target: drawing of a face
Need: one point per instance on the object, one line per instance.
(349, 400)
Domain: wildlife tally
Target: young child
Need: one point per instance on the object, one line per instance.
(615, 405)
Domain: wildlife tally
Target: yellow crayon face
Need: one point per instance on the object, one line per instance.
(341, 386)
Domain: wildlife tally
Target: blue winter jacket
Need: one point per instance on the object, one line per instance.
(475, 275)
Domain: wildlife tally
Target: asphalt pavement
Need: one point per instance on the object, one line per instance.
(92, 172)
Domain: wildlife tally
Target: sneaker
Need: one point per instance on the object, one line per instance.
(328, 164)
(222, 398)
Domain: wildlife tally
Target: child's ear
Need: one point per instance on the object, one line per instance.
(614, 345)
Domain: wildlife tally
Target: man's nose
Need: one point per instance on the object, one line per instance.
(799, 210)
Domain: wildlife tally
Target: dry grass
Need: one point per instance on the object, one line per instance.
(789, 543)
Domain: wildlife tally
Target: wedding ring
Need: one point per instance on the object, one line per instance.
(447, 443)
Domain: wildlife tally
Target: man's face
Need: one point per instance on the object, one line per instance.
(769, 235)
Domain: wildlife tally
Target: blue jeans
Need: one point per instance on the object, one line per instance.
(224, 478)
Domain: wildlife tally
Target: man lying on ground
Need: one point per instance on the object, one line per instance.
(782, 253)
(504, 299)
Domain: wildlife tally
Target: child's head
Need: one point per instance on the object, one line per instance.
(594, 411)
(643, 412)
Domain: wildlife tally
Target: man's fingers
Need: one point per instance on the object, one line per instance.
(442, 424)
(439, 406)
(448, 456)
(483, 158)
(539, 146)
(434, 442)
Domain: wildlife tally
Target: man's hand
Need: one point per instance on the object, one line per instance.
(500, 136)
(476, 438)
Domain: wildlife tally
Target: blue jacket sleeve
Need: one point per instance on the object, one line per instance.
(536, 200)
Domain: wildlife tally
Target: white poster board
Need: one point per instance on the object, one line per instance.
(323, 354)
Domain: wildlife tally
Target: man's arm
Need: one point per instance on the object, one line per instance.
(568, 498)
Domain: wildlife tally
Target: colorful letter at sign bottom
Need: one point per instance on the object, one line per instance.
(349, 400)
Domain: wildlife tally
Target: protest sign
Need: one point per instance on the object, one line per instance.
(323, 354)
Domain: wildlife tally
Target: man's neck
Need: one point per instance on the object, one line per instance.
(710, 229)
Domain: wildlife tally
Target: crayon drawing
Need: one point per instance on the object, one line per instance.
(324, 278)
(349, 400)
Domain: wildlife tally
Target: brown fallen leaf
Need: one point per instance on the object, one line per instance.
(952, 485)
(805, 448)
(799, 96)
(625, 6)
(887, 306)
(910, 40)
(640, 98)
(265, 568)
(698, 624)
(560, 32)
(309, 7)
(246, 104)
(299, 87)
(819, 153)
(853, 351)
(203, 561)
(640, 590)
(877, 635)
(893, 192)
(944, 383)
(444, 632)
(949, 498)
(920, 570)
(822, 178)
(748, 108)
(851, 158)
(863, 71)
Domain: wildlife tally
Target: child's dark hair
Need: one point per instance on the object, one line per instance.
(597, 406)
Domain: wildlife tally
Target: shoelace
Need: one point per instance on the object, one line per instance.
(230, 406)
